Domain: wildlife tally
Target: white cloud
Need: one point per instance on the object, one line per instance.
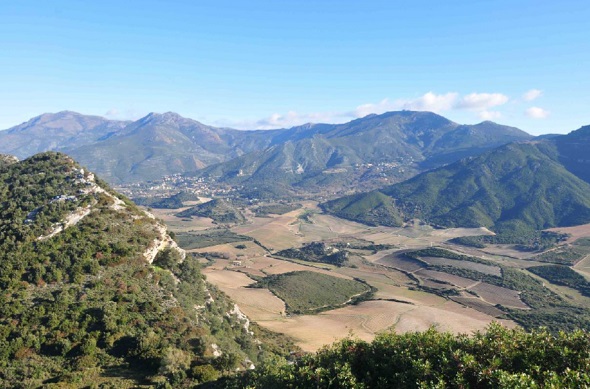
(290, 119)
(428, 102)
(481, 101)
(478, 103)
(537, 113)
(431, 102)
(116, 114)
(489, 115)
(113, 112)
(532, 94)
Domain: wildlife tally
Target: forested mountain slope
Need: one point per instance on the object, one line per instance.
(366, 152)
(520, 185)
(95, 292)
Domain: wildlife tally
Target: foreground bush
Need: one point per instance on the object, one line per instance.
(496, 358)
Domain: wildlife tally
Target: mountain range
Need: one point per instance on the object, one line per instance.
(533, 184)
(328, 155)
(369, 152)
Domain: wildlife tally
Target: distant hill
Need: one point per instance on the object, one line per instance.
(57, 131)
(96, 293)
(520, 185)
(574, 152)
(220, 210)
(173, 202)
(368, 152)
(164, 144)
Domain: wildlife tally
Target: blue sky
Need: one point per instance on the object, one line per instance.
(269, 64)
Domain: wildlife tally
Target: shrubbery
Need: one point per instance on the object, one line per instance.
(495, 358)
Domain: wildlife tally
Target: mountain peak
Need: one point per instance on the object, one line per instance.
(166, 118)
(582, 131)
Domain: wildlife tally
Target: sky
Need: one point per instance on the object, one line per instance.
(274, 64)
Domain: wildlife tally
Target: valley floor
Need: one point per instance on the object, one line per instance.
(396, 304)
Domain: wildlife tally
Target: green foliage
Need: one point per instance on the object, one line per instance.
(562, 275)
(220, 210)
(212, 237)
(513, 189)
(275, 209)
(373, 208)
(495, 358)
(564, 255)
(316, 252)
(306, 291)
(173, 202)
(525, 239)
(85, 300)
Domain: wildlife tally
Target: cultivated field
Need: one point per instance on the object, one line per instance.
(371, 317)
(257, 304)
(575, 232)
(400, 261)
(398, 300)
(478, 304)
(461, 282)
(498, 295)
(480, 267)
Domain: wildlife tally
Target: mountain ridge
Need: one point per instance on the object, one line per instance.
(96, 293)
(163, 144)
(343, 156)
(519, 185)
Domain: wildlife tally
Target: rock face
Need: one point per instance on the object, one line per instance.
(6, 160)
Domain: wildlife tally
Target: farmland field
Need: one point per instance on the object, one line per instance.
(417, 296)
(306, 291)
(401, 262)
(498, 295)
(461, 282)
(480, 267)
(479, 305)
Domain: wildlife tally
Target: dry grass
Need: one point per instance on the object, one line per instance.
(368, 318)
(257, 304)
(576, 232)
(177, 224)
